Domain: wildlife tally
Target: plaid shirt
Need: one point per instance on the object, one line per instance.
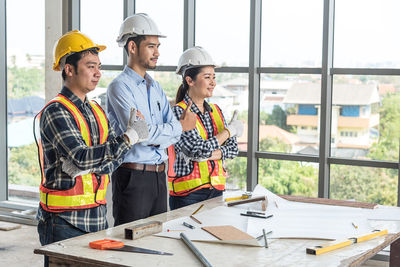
(194, 146)
(61, 137)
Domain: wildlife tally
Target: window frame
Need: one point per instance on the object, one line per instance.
(254, 70)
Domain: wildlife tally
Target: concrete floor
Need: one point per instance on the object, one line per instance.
(16, 249)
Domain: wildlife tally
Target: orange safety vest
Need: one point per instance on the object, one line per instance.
(204, 174)
(86, 193)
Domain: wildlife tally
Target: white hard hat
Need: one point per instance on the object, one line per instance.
(194, 57)
(138, 24)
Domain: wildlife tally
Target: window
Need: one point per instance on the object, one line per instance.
(285, 83)
(226, 40)
(379, 94)
(236, 173)
(289, 177)
(168, 15)
(359, 35)
(100, 20)
(361, 184)
(286, 117)
(291, 33)
(169, 82)
(25, 95)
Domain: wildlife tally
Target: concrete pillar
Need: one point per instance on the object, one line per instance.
(53, 24)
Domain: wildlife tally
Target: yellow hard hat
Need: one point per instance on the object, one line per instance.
(72, 42)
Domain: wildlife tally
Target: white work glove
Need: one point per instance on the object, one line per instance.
(235, 127)
(137, 130)
(188, 159)
(69, 168)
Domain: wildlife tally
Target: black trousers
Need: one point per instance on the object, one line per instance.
(137, 194)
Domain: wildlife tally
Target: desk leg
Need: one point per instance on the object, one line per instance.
(395, 253)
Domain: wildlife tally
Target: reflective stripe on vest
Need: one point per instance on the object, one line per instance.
(204, 174)
(86, 193)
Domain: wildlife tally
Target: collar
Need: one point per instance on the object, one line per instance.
(65, 91)
(207, 107)
(137, 78)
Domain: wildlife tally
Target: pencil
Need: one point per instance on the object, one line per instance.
(194, 219)
(197, 209)
(170, 230)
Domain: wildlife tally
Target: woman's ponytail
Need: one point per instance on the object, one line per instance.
(183, 88)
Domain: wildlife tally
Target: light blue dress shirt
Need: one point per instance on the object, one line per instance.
(128, 90)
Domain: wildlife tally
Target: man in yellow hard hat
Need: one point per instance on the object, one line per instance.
(77, 148)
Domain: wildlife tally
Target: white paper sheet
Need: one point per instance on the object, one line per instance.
(290, 220)
(214, 217)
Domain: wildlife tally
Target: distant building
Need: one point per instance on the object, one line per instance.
(355, 116)
(99, 95)
(270, 131)
(386, 89)
(225, 99)
(26, 106)
(272, 92)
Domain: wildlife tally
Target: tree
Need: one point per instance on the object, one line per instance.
(278, 118)
(281, 177)
(23, 166)
(389, 130)
(374, 185)
(25, 81)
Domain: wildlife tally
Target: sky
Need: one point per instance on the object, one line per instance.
(366, 31)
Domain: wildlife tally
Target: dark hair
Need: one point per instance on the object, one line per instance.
(75, 57)
(192, 73)
(137, 39)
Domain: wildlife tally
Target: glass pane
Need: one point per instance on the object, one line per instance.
(236, 173)
(289, 113)
(225, 35)
(25, 95)
(289, 177)
(291, 33)
(365, 184)
(169, 82)
(230, 94)
(100, 20)
(366, 34)
(100, 93)
(366, 117)
(168, 15)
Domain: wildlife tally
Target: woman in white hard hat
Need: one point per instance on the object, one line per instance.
(196, 170)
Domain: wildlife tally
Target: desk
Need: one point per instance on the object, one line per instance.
(281, 252)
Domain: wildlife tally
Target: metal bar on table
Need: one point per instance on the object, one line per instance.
(195, 250)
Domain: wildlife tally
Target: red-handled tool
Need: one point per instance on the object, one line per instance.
(118, 245)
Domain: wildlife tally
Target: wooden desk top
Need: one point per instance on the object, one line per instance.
(281, 252)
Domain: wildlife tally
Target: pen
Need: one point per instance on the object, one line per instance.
(159, 106)
(197, 209)
(188, 225)
(256, 216)
(355, 226)
(255, 212)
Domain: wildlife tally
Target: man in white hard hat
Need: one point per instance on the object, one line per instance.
(77, 148)
(139, 184)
